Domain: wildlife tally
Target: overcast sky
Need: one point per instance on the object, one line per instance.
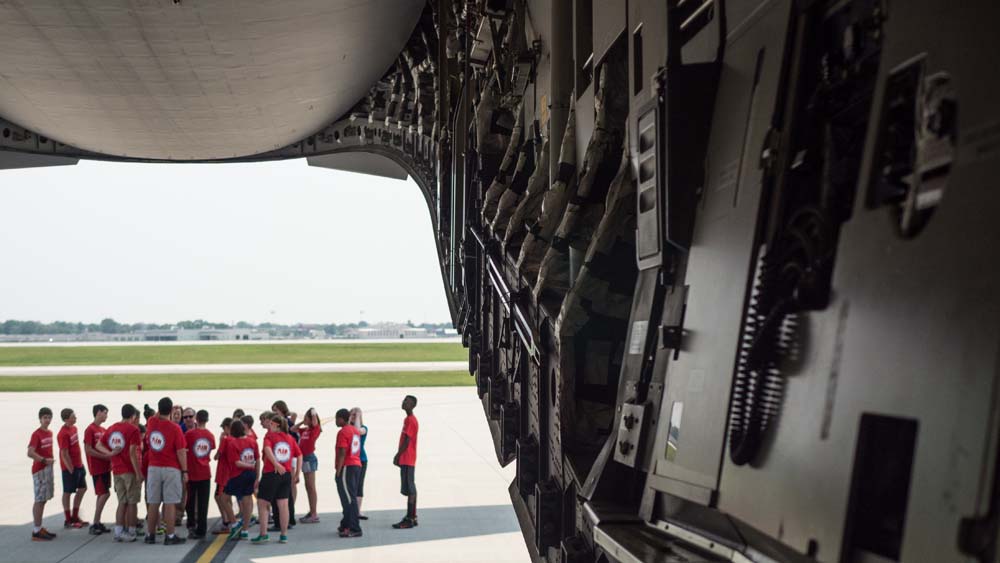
(279, 241)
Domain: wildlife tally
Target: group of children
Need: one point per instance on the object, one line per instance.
(172, 453)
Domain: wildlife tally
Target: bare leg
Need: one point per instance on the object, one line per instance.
(121, 514)
(169, 512)
(78, 500)
(283, 516)
(263, 509)
(311, 493)
(246, 509)
(37, 510)
(99, 509)
(152, 518)
(359, 504)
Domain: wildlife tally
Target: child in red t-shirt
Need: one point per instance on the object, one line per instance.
(99, 465)
(309, 430)
(200, 443)
(406, 459)
(40, 452)
(221, 476)
(348, 465)
(74, 476)
(241, 457)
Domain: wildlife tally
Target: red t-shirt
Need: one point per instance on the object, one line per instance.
(410, 428)
(164, 439)
(239, 449)
(284, 449)
(251, 434)
(349, 438)
(221, 473)
(307, 438)
(91, 437)
(41, 440)
(69, 439)
(121, 435)
(200, 444)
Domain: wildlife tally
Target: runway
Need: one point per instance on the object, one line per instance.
(324, 367)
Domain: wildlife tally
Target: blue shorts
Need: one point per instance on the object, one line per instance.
(241, 485)
(309, 463)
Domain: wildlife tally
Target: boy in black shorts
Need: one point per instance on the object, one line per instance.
(406, 459)
(74, 476)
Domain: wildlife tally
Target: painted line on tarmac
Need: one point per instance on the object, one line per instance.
(204, 551)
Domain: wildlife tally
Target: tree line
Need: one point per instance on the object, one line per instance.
(111, 326)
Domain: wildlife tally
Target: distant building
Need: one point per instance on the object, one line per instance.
(388, 330)
(190, 334)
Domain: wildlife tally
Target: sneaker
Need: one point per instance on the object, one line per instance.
(362, 517)
(405, 523)
(150, 539)
(261, 539)
(94, 530)
(119, 538)
(274, 528)
(244, 535)
(47, 533)
(282, 539)
(234, 530)
(80, 521)
(73, 524)
(351, 534)
(309, 519)
(104, 529)
(161, 529)
(40, 536)
(195, 535)
(222, 528)
(129, 537)
(173, 540)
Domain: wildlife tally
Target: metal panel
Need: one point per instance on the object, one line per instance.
(718, 265)
(360, 163)
(912, 331)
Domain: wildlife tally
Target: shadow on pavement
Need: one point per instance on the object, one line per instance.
(435, 524)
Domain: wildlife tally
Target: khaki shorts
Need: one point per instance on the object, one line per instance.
(163, 484)
(43, 484)
(127, 488)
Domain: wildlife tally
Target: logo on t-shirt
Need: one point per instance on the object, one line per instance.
(355, 444)
(282, 452)
(157, 441)
(246, 456)
(116, 440)
(201, 447)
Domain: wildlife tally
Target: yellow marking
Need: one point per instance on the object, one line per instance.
(220, 540)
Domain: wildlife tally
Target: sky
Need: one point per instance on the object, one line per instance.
(263, 242)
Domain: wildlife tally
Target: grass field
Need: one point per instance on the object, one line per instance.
(178, 382)
(231, 354)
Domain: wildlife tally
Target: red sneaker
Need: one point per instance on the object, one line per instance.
(73, 524)
(81, 523)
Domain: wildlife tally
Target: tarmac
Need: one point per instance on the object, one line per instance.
(463, 505)
(314, 367)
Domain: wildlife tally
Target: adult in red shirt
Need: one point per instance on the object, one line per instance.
(282, 464)
(200, 443)
(99, 465)
(348, 464)
(309, 430)
(122, 442)
(241, 459)
(74, 476)
(40, 452)
(167, 474)
(406, 459)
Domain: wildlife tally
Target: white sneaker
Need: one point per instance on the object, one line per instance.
(119, 538)
(130, 537)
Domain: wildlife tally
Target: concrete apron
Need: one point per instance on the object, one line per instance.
(464, 508)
